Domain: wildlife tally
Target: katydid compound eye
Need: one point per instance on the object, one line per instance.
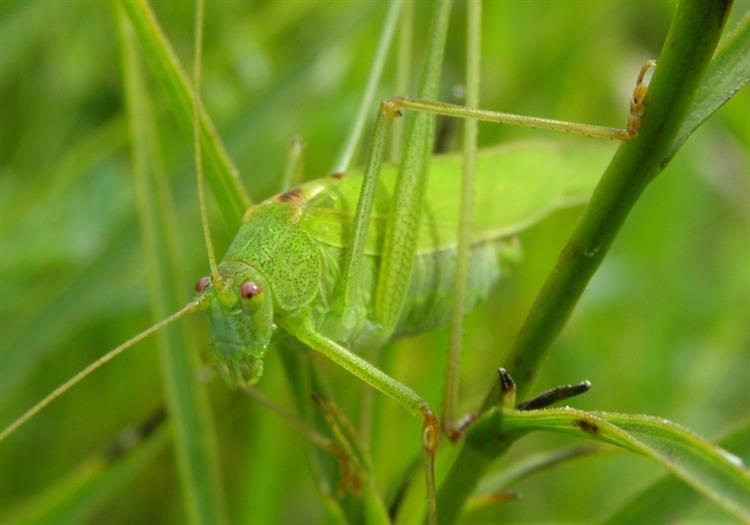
(202, 283)
(249, 289)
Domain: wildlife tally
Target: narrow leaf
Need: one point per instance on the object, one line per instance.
(186, 400)
(221, 174)
(666, 499)
(76, 497)
(727, 73)
(710, 470)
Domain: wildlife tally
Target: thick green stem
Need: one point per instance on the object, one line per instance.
(692, 37)
(481, 447)
(694, 33)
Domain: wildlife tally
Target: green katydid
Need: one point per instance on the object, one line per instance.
(337, 265)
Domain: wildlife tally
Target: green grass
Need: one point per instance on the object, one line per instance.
(662, 329)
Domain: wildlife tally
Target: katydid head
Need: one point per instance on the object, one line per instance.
(240, 312)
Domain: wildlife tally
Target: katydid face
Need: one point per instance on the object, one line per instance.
(241, 319)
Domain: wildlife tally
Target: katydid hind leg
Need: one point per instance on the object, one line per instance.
(347, 304)
(635, 114)
(400, 239)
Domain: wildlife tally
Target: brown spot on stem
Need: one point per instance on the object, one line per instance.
(293, 196)
(586, 426)
(338, 175)
(571, 252)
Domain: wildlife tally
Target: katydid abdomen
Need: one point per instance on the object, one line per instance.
(285, 259)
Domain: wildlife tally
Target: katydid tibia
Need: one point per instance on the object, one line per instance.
(337, 265)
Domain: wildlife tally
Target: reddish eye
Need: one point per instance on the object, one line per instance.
(249, 289)
(202, 283)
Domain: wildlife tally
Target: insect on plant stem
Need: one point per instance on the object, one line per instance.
(274, 254)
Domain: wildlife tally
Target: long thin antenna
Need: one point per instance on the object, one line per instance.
(60, 390)
(215, 278)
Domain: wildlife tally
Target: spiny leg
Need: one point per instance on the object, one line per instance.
(637, 110)
(346, 306)
(391, 292)
(305, 332)
(400, 239)
(403, 73)
(347, 303)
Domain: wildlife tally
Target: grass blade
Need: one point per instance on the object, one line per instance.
(187, 404)
(727, 73)
(220, 172)
(403, 74)
(449, 412)
(76, 498)
(354, 456)
(304, 382)
(367, 106)
(710, 470)
(501, 480)
(666, 499)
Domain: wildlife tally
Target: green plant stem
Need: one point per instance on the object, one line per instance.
(366, 106)
(461, 277)
(403, 73)
(482, 446)
(221, 173)
(692, 37)
(80, 495)
(190, 416)
(694, 33)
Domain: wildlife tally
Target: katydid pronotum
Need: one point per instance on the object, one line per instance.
(338, 279)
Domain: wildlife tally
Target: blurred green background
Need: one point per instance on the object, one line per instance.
(664, 327)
